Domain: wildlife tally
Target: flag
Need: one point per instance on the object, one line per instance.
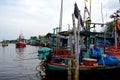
(76, 13)
(76, 10)
(81, 21)
(86, 10)
(119, 1)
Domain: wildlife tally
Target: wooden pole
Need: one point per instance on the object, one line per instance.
(77, 51)
(71, 59)
(115, 33)
(75, 38)
(69, 70)
(74, 29)
(57, 41)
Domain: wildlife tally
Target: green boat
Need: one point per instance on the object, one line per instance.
(91, 63)
(85, 72)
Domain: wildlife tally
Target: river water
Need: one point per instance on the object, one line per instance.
(18, 63)
(21, 63)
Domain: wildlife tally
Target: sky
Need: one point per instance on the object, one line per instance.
(39, 17)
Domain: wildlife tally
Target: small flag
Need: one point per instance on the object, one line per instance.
(86, 10)
(81, 21)
(76, 10)
(76, 13)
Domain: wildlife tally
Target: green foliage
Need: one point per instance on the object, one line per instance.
(48, 35)
(111, 26)
(33, 37)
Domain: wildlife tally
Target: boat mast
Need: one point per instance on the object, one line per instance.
(61, 14)
(103, 25)
(90, 9)
(59, 28)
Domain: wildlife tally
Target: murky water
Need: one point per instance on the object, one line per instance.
(18, 63)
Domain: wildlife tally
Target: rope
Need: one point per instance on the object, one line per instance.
(41, 69)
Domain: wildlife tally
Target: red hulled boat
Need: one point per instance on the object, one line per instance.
(20, 43)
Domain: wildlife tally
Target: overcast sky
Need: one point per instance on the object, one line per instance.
(38, 17)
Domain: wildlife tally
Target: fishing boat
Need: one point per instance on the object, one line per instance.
(57, 63)
(115, 49)
(34, 42)
(85, 71)
(58, 66)
(4, 43)
(20, 43)
(89, 63)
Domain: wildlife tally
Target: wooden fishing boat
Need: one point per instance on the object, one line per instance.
(55, 69)
(57, 64)
(92, 63)
(20, 43)
(4, 43)
(89, 69)
(114, 50)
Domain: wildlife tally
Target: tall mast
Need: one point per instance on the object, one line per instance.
(61, 14)
(102, 13)
(90, 9)
(60, 28)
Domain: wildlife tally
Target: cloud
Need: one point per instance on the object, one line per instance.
(38, 17)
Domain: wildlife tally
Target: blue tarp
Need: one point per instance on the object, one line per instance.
(109, 60)
(43, 53)
(102, 44)
(96, 52)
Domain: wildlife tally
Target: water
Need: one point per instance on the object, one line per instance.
(18, 63)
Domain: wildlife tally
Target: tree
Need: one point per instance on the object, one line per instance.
(48, 35)
(111, 26)
(33, 37)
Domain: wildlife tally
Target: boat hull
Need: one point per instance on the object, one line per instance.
(85, 73)
(20, 45)
(4, 43)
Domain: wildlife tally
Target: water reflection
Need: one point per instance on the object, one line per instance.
(19, 50)
(18, 63)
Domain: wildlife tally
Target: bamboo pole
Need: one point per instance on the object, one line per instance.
(69, 70)
(74, 28)
(115, 33)
(56, 41)
(75, 38)
(71, 59)
(77, 50)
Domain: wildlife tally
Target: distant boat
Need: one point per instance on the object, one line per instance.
(4, 43)
(20, 43)
(34, 42)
